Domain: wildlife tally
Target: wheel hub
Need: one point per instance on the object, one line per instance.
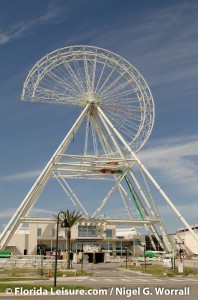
(90, 98)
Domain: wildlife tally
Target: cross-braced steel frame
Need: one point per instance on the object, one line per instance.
(118, 164)
(118, 117)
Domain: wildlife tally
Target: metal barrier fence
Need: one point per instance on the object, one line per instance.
(30, 262)
(47, 263)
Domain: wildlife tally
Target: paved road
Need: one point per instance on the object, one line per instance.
(114, 284)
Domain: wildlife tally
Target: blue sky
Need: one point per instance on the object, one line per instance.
(159, 37)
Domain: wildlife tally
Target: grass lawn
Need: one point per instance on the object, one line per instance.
(158, 270)
(13, 274)
(5, 279)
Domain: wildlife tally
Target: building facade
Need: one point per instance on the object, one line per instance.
(40, 238)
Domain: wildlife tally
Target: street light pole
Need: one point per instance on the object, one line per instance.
(64, 224)
(144, 245)
(180, 250)
(126, 256)
(82, 257)
(40, 247)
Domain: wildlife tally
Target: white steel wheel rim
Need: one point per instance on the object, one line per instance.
(78, 75)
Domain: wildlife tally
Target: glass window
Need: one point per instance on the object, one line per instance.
(106, 247)
(87, 231)
(108, 233)
(136, 242)
(39, 231)
(53, 232)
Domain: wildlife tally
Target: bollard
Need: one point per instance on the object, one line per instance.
(49, 274)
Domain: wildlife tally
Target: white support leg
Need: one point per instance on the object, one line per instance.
(38, 186)
(148, 174)
(108, 129)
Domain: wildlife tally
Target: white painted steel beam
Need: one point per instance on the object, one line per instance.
(107, 220)
(40, 183)
(149, 175)
(108, 128)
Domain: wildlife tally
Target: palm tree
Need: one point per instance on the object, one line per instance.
(72, 218)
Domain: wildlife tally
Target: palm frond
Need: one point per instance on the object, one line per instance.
(72, 217)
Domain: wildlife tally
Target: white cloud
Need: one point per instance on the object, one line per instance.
(189, 211)
(7, 213)
(39, 212)
(163, 43)
(20, 176)
(176, 160)
(23, 28)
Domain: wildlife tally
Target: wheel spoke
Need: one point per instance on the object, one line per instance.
(82, 74)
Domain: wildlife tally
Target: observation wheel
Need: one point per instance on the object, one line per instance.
(79, 75)
(118, 107)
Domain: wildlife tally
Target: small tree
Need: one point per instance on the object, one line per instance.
(72, 218)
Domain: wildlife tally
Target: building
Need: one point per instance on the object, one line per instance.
(39, 235)
(184, 239)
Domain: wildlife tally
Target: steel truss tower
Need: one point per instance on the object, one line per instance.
(117, 115)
